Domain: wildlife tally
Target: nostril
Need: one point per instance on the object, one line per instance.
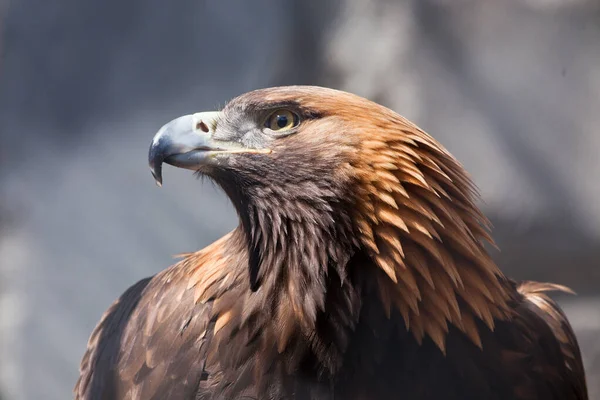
(202, 126)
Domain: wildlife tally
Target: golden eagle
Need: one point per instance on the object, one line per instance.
(357, 272)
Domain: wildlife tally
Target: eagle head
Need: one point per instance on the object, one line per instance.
(287, 158)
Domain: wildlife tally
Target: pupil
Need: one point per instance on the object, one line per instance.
(282, 121)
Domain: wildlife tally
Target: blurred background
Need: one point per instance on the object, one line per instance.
(511, 87)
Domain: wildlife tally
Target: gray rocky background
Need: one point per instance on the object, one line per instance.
(511, 87)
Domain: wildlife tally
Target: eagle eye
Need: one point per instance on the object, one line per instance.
(282, 120)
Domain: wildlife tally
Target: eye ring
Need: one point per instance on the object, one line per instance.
(282, 120)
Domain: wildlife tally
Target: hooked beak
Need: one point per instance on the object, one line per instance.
(187, 142)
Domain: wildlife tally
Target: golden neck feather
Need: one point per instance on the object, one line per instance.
(418, 220)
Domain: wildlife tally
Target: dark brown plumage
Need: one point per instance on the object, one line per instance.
(357, 272)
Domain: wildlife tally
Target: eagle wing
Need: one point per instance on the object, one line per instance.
(572, 375)
(150, 344)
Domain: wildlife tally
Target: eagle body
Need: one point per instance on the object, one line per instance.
(358, 271)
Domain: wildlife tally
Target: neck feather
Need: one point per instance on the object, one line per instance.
(292, 248)
(419, 223)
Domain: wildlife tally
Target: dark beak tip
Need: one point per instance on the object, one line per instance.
(156, 174)
(155, 160)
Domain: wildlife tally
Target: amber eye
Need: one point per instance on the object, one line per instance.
(282, 120)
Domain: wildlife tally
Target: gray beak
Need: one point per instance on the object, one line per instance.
(185, 142)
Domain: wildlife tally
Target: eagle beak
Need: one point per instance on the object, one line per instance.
(187, 142)
(184, 142)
